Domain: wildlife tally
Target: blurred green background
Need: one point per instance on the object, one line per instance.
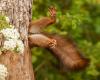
(81, 20)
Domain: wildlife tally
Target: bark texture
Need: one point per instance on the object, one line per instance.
(19, 65)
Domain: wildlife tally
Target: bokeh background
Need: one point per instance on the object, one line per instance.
(79, 19)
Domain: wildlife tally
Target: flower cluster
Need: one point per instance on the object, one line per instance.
(10, 33)
(12, 39)
(3, 72)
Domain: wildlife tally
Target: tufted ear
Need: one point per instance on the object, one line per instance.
(52, 11)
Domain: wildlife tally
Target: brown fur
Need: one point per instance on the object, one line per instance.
(67, 52)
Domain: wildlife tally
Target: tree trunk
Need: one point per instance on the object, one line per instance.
(19, 65)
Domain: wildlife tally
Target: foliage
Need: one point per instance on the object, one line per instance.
(3, 23)
(81, 20)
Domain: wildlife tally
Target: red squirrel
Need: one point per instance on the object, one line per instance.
(35, 29)
(63, 49)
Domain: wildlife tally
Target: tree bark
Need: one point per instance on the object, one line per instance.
(19, 65)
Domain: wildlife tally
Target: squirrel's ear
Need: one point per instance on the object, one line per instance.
(52, 11)
(67, 52)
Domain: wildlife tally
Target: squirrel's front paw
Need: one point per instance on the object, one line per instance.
(52, 43)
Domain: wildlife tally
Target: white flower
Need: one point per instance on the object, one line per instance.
(7, 19)
(20, 46)
(3, 72)
(10, 33)
(13, 45)
(12, 40)
(9, 44)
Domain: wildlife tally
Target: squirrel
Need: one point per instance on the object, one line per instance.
(63, 49)
(35, 30)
